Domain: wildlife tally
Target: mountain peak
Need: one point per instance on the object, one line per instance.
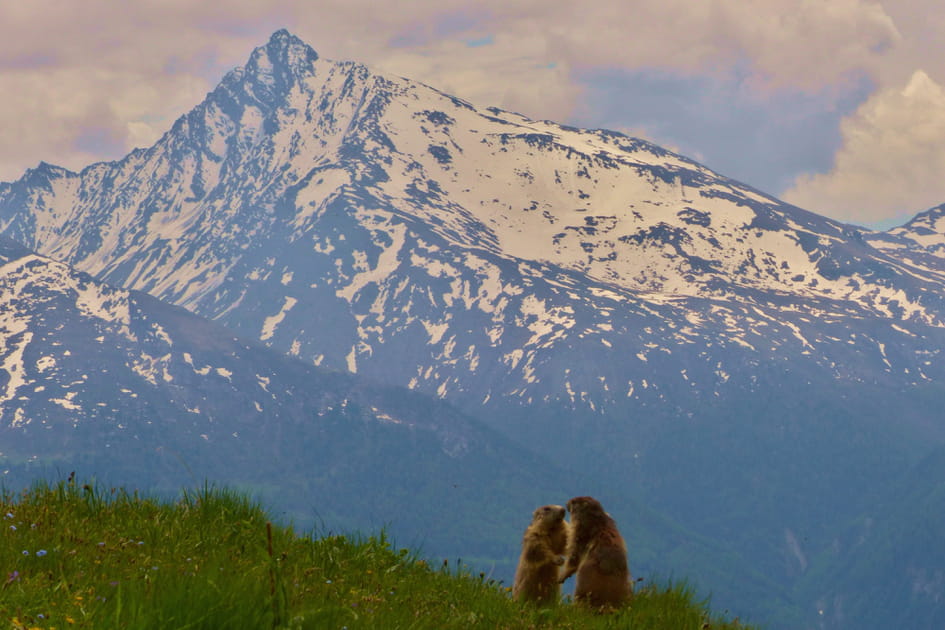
(273, 68)
(282, 38)
(49, 168)
(43, 173)
(283, 52)
(928, 222)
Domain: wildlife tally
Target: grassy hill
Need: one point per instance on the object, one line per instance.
(78, 556)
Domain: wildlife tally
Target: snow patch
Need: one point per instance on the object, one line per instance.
(271, 322)
(67, 402)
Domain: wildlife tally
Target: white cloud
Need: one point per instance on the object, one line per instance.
(892, 159)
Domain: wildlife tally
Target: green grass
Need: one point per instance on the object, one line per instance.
(77, 556)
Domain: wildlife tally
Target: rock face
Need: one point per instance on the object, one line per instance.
(599, 298)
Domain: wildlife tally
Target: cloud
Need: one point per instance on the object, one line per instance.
(127, 74)
(76, 115)
(805, 43)
(510, 72)
(777, 44)
(891, 160)
(84, 82)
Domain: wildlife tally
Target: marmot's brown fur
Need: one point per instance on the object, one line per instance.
(544, 542)
(597, 553)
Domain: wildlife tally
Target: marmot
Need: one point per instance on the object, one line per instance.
(544, 542)
(597, 553)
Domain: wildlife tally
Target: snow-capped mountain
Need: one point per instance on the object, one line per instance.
(473, 253)
(643, 320)
(76, 352)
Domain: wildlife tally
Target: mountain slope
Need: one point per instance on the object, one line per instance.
(886, 567)
(117, 384)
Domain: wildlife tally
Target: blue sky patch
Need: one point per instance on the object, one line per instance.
(488, 40)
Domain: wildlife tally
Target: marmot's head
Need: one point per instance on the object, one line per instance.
(585, 508)
(548, 515)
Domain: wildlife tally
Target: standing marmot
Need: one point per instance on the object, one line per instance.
(544, 542)
(597, 552)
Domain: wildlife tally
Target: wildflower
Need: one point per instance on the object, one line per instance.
(327, 581)
(101, 544)
(9, 514)
(25, 552)
(41, 553)
(13, 527)
(13, 577)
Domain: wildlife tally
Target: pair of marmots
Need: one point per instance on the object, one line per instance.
(593, 548)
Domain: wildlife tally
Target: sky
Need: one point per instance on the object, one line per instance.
(837, 106)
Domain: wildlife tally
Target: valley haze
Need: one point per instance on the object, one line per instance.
(375, 303)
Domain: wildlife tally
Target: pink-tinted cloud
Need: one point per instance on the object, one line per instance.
(129, 70)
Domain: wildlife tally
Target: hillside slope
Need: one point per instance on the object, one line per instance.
(211, 559)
